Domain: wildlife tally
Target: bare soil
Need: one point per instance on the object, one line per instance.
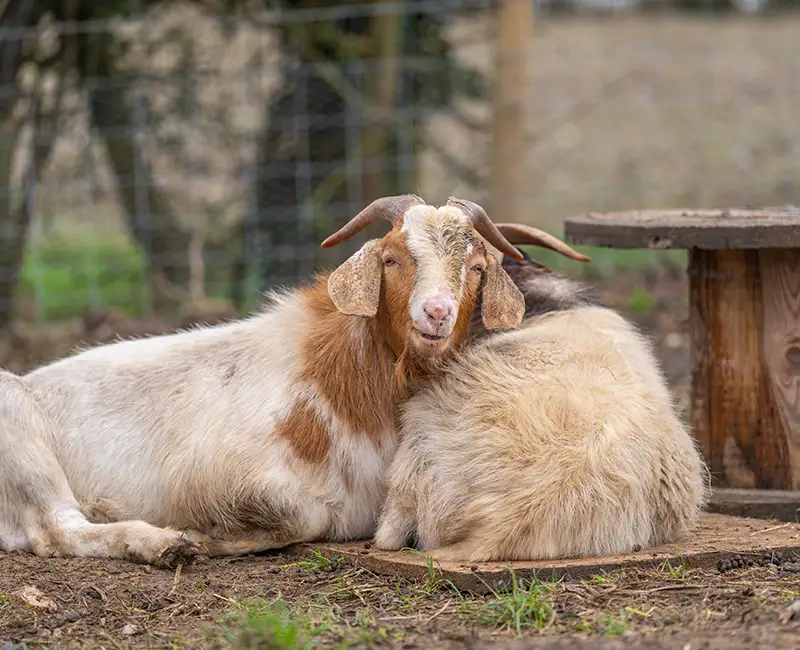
(110, 604)
(113, 604)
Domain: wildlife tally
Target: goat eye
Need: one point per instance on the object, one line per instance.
(477, 268)
(389, 261)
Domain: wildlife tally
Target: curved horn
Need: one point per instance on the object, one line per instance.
(518, 233)
(388, 207)
(477, 215)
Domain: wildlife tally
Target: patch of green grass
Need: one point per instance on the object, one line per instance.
(66, 278)
(519, 608)
(433, 583)
(614, 625)
(680, 572)
(601, 578)
(260, 624)
(583, 625)
(787, 594)
(640, 301)
(318, 560)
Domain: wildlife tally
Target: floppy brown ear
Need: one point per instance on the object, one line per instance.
(355, 286)
(502, 303)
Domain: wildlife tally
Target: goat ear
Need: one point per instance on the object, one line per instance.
(502, 303)
(355, 286)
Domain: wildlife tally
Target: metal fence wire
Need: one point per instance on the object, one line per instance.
(154, 153)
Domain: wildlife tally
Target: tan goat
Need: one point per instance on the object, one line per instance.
(254, 434)
(559, 439)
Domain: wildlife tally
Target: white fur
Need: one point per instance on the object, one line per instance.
(154, 427)
(418, 223)
(559, 439)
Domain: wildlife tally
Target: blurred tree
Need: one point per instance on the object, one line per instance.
(20, 106)
(116, 114)
(346, 124)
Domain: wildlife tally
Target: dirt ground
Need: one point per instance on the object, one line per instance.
(115, 604)
(233, 603)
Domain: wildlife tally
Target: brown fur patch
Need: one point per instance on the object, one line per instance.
(398, 285)
(306, 433)
(348, 361)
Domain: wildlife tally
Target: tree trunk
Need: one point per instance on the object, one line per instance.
(147, 211)
(13, 222)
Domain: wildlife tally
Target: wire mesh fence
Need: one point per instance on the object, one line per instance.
(163, 154)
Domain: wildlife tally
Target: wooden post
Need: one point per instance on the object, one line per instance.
(744, 295)
(386, 33)
(745, 324)
(509, 156)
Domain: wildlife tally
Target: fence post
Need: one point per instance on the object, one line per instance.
(509, 156)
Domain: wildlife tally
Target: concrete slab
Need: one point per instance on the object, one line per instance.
(717, 536)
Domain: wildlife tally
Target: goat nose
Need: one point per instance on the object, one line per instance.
(437, 312)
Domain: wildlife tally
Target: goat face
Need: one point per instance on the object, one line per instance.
(423, 278)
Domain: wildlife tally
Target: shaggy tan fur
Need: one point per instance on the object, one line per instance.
(556, 440)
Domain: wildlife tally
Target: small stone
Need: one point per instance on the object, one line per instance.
(129, 630)
(69, 617)
(274, 569)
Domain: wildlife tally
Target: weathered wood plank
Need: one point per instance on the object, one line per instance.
(732, 406)
(716, 537)
(704, 229)
(782, 505)
(780, 286)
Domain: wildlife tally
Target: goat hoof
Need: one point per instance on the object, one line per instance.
(182, 551)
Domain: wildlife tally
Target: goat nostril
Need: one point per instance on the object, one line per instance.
(437, 312)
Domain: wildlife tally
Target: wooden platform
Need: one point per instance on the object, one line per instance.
(717, 536)
(783, 505)
(744, 325)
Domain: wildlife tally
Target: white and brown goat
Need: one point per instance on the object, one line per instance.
(254, 434)
(559, 439)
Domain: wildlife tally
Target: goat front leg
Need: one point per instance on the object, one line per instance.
(397, 525)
